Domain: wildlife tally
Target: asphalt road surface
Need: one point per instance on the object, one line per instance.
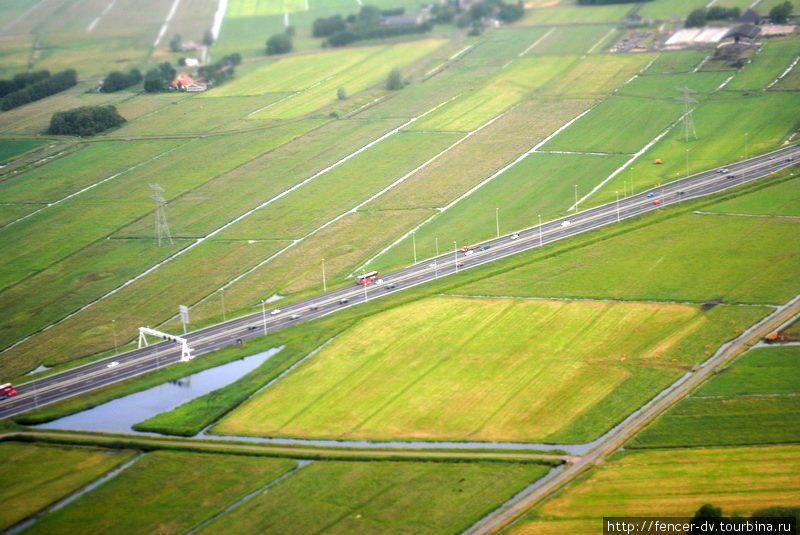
(97, 374)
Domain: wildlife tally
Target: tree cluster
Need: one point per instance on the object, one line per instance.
(699, 17)
(280, 43)
(781, 13)
(220, 71)
(376, 32)
(323, 27)
(21, 81)
(156, 80)
(175, 43)
(494, 8)
(85, 121)
(44, 87)
(117, 80)
(600, 2)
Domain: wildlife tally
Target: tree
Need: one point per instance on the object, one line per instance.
(175, 43)
(369, 14)
(208, 38)
(117, 80)
(696, 18)
(709, 515)
(153, 82)
(341, 93)
(324, 27)
(85, 121)
(780, 13)
(290, 31)
(280, 43)
(394, 81)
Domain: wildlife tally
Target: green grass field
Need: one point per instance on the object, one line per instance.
(608, 127)
(14, 148)
(164, 492)
(671, 483)
(670, 9)
(450, 368)
(42, 475)
(672, 261)
(389, 498)
(568, 12)
(596, 75)
(753, 401)
(767, 65)
(721, 123)
(510, 86)
(665, 86)
(250, 8)
(570, 40)
(676, 61)
(781, 199)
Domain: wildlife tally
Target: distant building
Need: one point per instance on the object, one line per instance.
(184, 82)
(191, 62)
(402, 20)
(750, 17)
(743, 32)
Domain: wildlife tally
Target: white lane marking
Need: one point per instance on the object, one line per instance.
(219, 16)
(787, 71)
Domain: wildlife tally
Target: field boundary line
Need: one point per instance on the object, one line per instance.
(539, 40)
(164, 26)
(87, 188)
(786, 72)
(22, 16)
(219, 17)
(102, 14)
(602, 300)
(598, 43)
(734, 214)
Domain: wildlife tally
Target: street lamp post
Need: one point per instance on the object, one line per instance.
(497, 220)
(745, 144)
(264, 315)
(114, 332)
(540, 230)
(222, 294)
(414, 242)
(324, 284)
(617, 192)
(687, 162)
(455, 255)
(576, 198)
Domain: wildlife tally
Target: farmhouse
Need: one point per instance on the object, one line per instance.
(402, 20)
(184, 82)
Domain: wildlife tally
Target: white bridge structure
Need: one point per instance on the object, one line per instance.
(186, 351)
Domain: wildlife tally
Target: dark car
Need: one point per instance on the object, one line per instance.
(486, 247)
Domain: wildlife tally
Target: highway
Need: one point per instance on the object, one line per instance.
(136, 362)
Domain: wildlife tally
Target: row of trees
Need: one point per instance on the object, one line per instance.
(280, 43)
(599, 2)
(699, 17)
(223, 70)
(85, 121)
(781, 13)
(21, 81)
(117, 80)
(40, 89)
(156, 80)
(377, 32)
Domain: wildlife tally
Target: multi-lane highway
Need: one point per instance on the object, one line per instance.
(97, 374)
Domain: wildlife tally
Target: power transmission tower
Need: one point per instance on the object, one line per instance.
(162, 228)
(688, 119)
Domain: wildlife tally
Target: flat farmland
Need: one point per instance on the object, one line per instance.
(88, 165)
(251, 8)
(365, 74)
(665, 86)
(197, 115)
(596, 75)
(391, 498)
(11, 212)
(609, 126)
(148, 301)
(294, 73)
(14, 148)
(672, 261)
(777, 200)
(247, 36)
(44, 474)
(429, 371)
(510, 86)
(670, 9)
(502, 45)
(15, 52)
(341, 188)
(753, 401)
(539, 184)
(721, 123)
(686, 479)
(790, 82)
(767, 65)
(570, 40)
(566, 12)
(676, 61)
(159, 495)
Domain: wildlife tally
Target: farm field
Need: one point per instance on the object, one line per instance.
(570, 40)
(429, 370)
(250, 8)
(44, 474)
(672, 262)
(686, 479)
(389, 498)
(666, 86)
(608, 127)
(781, 199)
(12, 212)
(14, 148)
(596, 75)
(676, 61)
(790, 82)
(767, 65)
(721, 123)
(510, 86)
(753, 401)
(566, 12)
(669, 9)
(536, 185)
(159, 495)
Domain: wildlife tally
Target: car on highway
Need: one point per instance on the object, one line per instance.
(468, 253)
(514, 236)
(722, 171)
(391, 286)
(295, 316)
(275, 312)
(112, 364)
(486, 247)
(651, 194)
(657, 201)
(252, 327)
(313, 307)
(343, 300)
(466, 248)
(460, 264)
(565, 223)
